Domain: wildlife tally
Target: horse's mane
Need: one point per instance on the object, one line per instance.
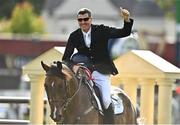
(63, 86)
(66, 71)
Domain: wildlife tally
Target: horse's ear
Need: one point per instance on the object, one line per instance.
(45, 67)
(59, 64)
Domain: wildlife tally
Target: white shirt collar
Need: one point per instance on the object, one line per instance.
(87, 37)
(89, 32)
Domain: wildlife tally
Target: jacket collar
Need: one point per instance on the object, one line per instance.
(80, 33)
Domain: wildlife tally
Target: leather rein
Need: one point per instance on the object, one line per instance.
(67, 100)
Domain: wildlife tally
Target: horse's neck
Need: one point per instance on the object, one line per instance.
(73, 86)
(79, 103)
(82, 96)
(74, 100)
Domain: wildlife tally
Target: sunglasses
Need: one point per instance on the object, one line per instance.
(81, 19)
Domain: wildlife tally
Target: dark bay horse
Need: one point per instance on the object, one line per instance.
(71, 100)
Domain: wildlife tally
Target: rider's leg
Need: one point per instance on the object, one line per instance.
(104, 84)
(109, 115)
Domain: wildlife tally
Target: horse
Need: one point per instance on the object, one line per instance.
(71, 98)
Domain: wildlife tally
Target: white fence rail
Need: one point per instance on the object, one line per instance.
(16, 100)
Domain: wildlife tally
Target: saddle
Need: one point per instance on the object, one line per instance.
(116, 100)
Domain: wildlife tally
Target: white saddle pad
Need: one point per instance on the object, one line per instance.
(117, 101)
(118, 104)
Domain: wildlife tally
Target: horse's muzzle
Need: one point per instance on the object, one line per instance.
(57, 117)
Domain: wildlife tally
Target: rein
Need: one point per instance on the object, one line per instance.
(87, 71)
(67, 101)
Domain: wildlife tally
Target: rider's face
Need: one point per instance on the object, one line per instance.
(84, 21)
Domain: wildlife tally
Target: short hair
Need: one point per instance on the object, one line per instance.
(84, 11)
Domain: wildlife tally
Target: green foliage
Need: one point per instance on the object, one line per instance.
(38, 25)
(6, 6)
(178, 11)
(24, 20)
(166, 4)
(5, 26)
(21, 18)
(168, 7)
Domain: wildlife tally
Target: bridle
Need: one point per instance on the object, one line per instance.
(66, 101)
(55, 102)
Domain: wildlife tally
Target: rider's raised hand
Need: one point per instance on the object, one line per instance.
(125, 14)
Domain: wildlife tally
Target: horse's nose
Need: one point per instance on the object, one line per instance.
(57, 117)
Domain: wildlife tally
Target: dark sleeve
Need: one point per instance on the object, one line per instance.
(68, 52)
(123, 32)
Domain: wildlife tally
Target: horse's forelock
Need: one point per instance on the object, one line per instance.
(68, 73)
(54, 70)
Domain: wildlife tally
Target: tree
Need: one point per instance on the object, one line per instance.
(168, 6)
(6, 7)
(24, 20)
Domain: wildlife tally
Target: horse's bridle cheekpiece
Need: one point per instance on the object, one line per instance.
(56, 70)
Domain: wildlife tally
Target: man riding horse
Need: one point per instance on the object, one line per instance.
(91, 41)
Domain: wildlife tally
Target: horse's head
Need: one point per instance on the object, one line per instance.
(60, 85)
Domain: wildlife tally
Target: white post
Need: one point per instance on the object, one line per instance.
(37, 102)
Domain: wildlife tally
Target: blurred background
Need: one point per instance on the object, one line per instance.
(30, 27)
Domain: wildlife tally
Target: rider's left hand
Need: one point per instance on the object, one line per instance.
(125, 14)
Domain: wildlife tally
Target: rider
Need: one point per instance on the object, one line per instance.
(91, 41)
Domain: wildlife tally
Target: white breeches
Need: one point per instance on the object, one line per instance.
(103, 82)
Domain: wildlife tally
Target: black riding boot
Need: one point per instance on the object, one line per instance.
(109, 115)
